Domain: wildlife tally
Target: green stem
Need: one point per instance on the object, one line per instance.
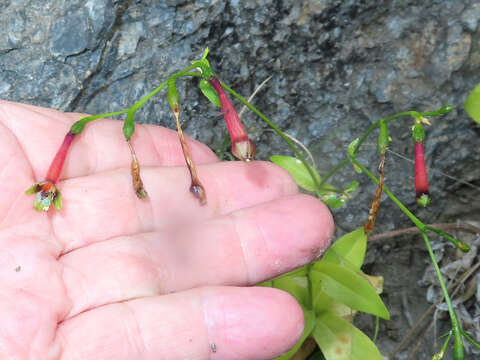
(277, 130)
(418, 223)
(458, 344)
(457, 336)
(458, 244)
(79, 125)
(334, 170)
(129, 124)
(147, 97)
(470, 339)
(375, 125)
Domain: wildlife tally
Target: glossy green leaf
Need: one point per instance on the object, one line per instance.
(472, 105)
(348, 287)
(297, 286)
(340, 340)
(301, 271)
(349, 249)
(268, 283)
(310, 322)
(298, 171)
(209, 92)
(321, 302)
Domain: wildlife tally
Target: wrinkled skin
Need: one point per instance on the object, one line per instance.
(111, 276)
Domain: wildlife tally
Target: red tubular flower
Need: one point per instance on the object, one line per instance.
(242, 147)
(47, 192)
(57, 164)
(421, 180)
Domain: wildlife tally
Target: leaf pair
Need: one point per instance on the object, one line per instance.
(330, 291)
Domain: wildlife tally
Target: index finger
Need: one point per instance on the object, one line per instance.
(100, 147)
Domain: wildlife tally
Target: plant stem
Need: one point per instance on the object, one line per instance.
(470, 339)
(458, 344)
(277, 130)
(418, 223)
(457, 336)
(373, 127)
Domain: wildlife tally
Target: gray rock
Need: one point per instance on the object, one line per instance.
(336, 67)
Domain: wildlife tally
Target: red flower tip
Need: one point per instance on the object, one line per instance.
(243, 149)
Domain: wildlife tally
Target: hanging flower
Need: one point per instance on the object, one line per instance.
(242, 147)
(421, 179)
(47, 192)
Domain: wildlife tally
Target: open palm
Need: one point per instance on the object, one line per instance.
(114, 277)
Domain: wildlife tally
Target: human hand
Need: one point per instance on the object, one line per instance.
(114, 277)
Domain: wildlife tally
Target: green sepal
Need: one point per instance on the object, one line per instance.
(32, 190)
(57, 201)
(209, 92)
(204, 65)
(129, 125)
(141, 193)
(383, 138)
(352, 147)
(418, 133)
(424, 200)
(77, 127)
(172, 95)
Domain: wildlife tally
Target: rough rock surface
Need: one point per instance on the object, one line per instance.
(336, 66)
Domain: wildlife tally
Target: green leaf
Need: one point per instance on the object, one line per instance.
(348, 287)
(341, 340)
(298, 171)
(349, 250)
(310, 322)
(268, 283)
(321, 302)
(472, 105)
(297, 286)
(209, 92)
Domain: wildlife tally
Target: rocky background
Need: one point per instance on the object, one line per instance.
(336, 67)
